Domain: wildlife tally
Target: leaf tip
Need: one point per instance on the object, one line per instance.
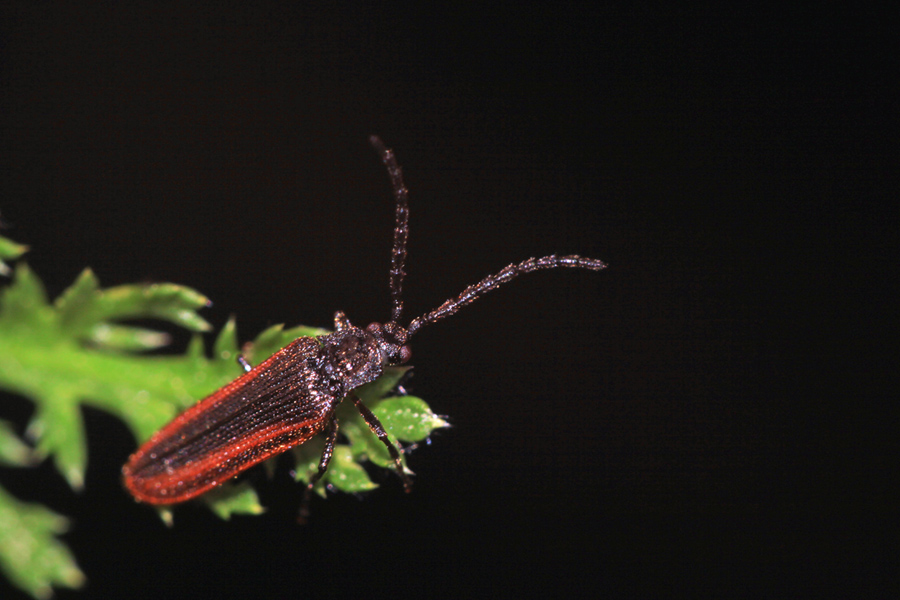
(75, 477)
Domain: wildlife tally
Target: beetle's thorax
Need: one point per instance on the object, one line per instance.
(357, 356)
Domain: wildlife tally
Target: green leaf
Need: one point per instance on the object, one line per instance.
(166, 301)
(59, 432)
(408, 417)
(85, 312)
(72, 353)
(128, 339)
(349, 476)
(225, 347)
(24, 303)
(239, 499)
(364, 444)
(74, 304)
(31, 555)
(13, 451)
(9, 250)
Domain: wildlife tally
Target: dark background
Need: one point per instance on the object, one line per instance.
(709, 416)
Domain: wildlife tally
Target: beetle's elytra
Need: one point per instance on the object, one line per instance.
(292, 395)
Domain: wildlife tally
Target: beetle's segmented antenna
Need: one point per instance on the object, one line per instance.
(492, 282)
(401, 226)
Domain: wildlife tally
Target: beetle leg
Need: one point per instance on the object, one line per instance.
(377, 428)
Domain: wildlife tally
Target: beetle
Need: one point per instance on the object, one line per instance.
(293, 395)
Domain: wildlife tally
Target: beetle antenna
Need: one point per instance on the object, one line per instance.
(471, 293)
(401, 226)
(492, 282)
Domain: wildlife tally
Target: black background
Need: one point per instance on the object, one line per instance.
(709, 416)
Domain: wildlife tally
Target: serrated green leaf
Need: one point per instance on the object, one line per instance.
(408, 417)
(86, 312)
(31, 556)
(173, 303)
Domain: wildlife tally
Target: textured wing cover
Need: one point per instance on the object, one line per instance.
(279, 404)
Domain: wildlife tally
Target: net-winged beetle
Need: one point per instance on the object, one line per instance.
(291, 396)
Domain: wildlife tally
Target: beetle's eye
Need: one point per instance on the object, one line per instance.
(405, 354)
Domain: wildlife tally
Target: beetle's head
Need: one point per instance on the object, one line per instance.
(391, 339)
